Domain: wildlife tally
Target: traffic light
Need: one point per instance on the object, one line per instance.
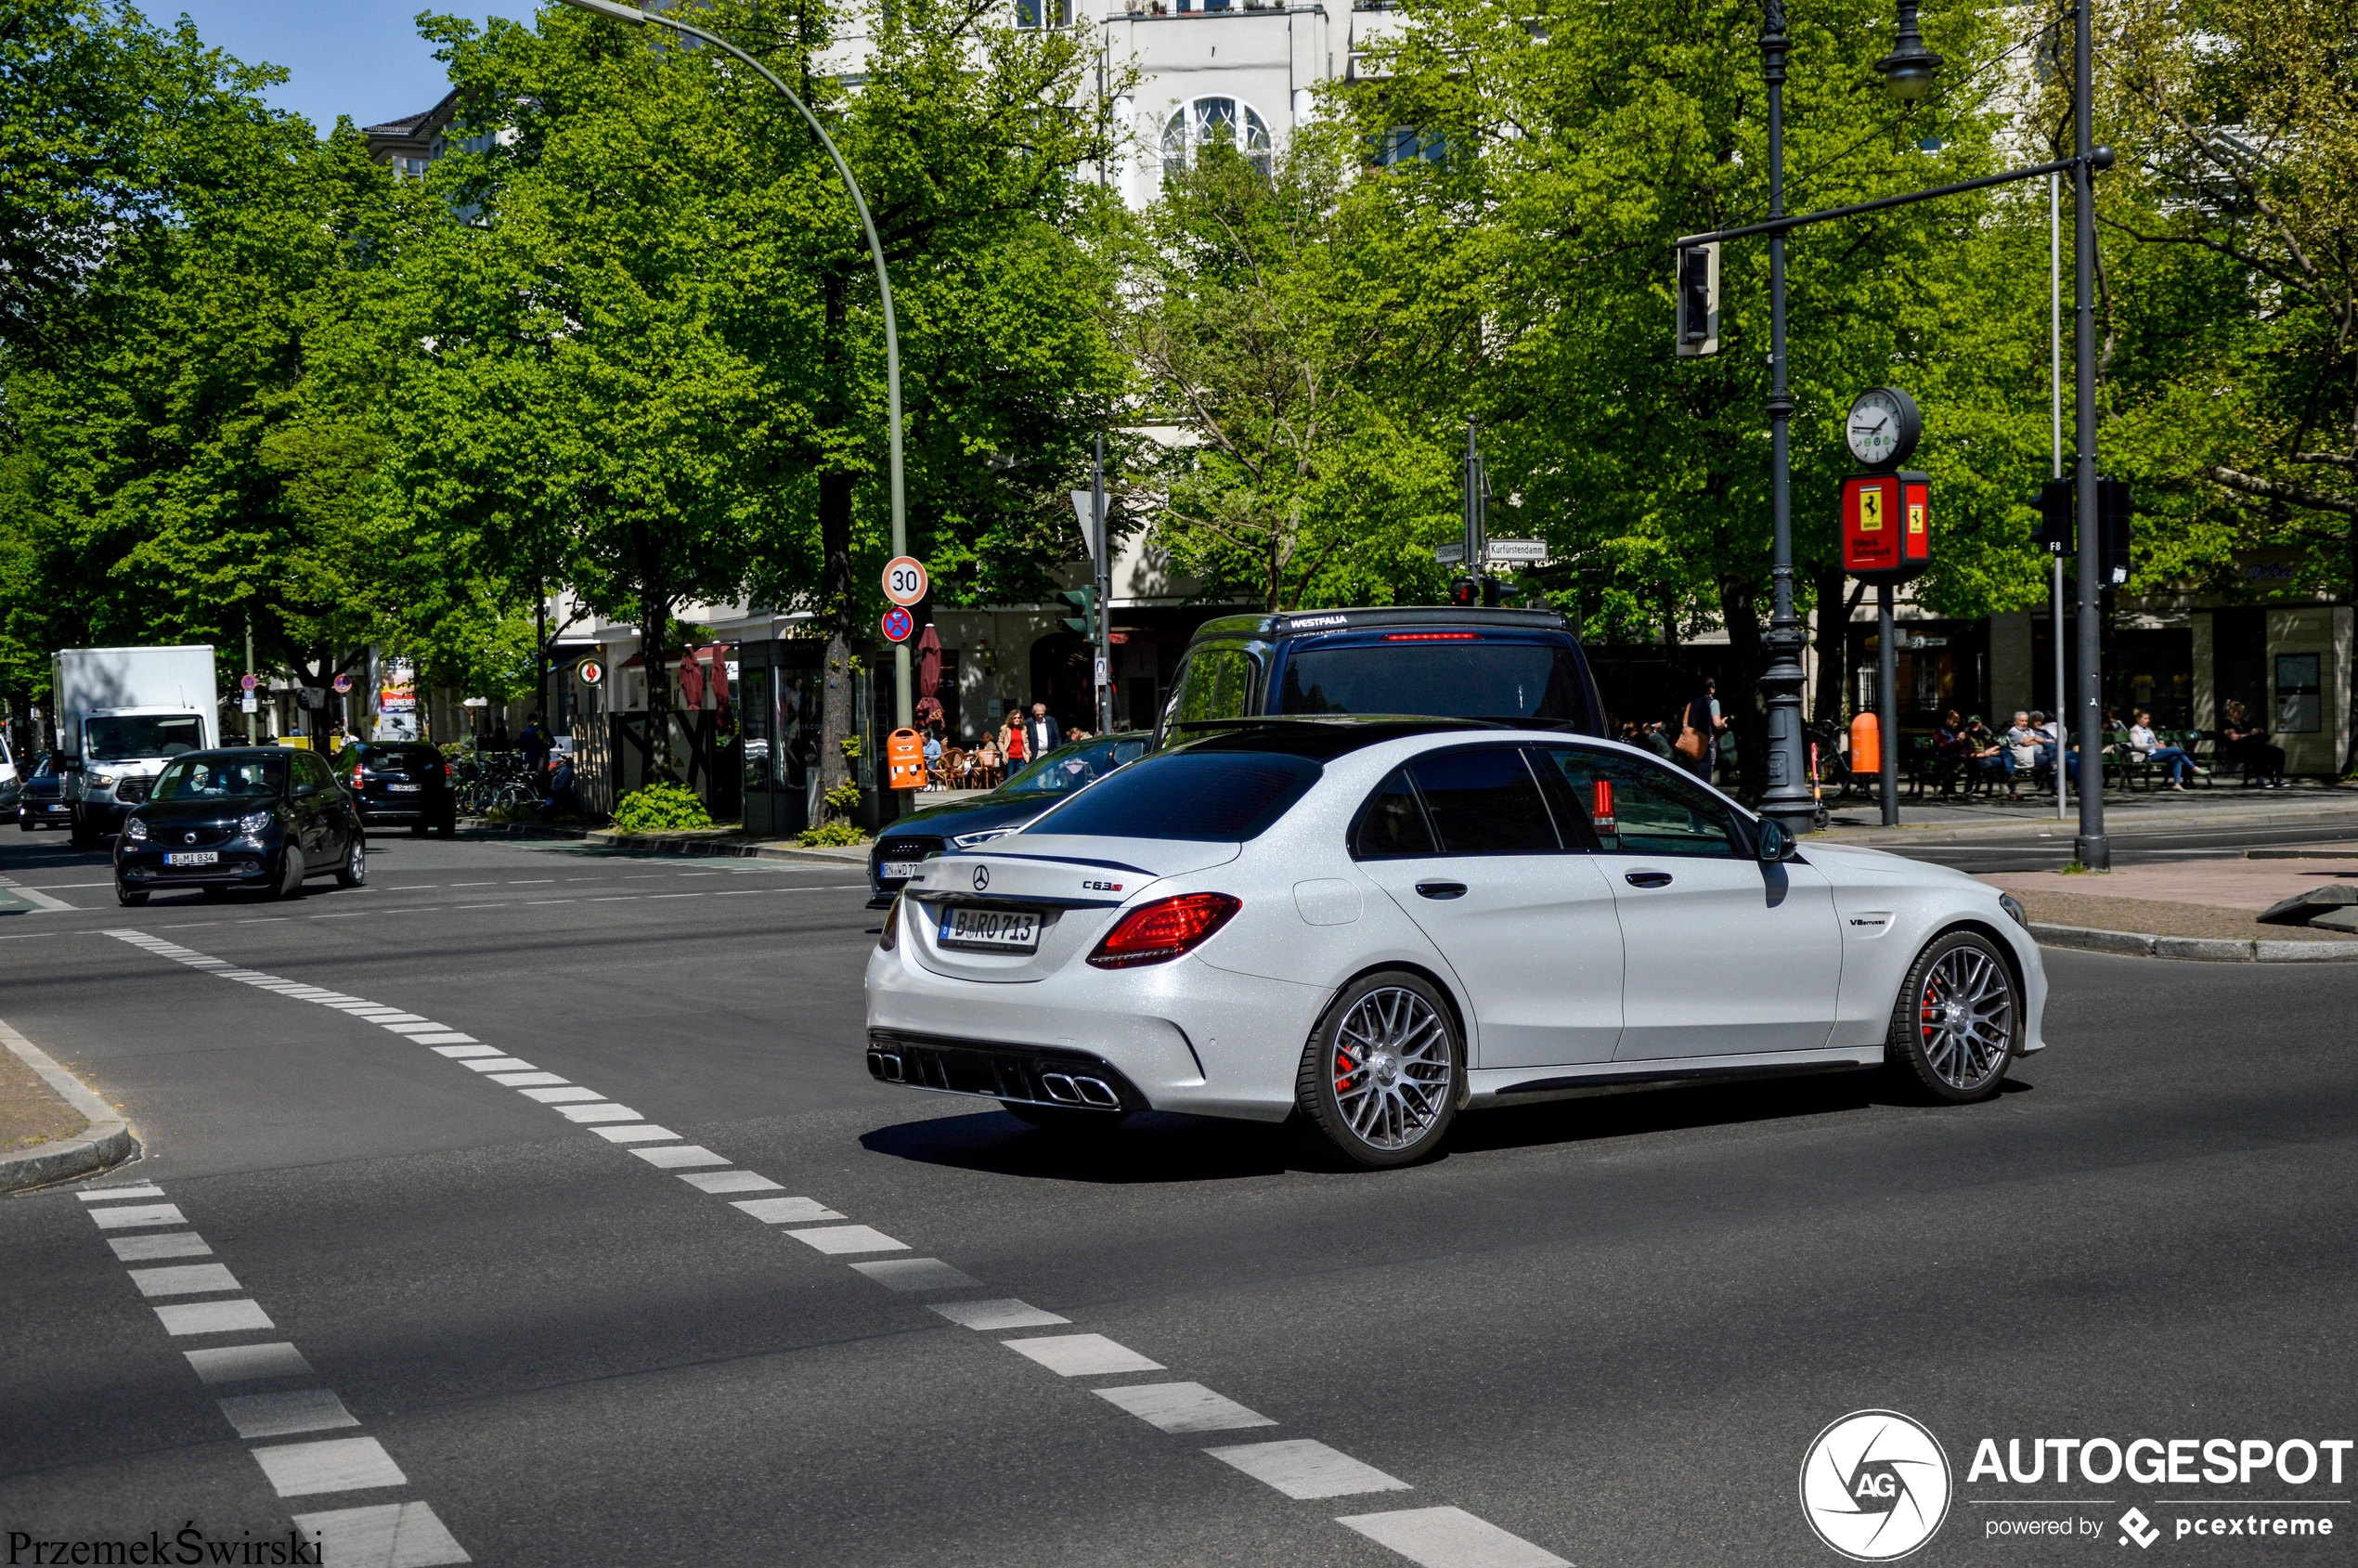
(1464, 593)
(1697, 287)
(1084, 625)
(2058, 516)
(2055, 530)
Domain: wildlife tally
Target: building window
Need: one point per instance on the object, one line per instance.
(1407, 144)
(2300, 704)
(1205, 121)
(1033, 15)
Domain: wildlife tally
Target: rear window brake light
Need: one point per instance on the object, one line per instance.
(1432, 637)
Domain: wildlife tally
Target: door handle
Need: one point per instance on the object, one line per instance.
(1441, 889)
(1648, 879)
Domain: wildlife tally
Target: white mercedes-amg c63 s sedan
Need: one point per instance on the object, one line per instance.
(1376, 923)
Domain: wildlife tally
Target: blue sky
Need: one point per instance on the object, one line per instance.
(361, 58)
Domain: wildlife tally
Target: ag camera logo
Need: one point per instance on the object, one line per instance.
(1874, 1485)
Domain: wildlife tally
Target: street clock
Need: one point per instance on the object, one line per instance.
(1883, 427)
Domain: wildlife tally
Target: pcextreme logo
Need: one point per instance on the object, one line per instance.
(1874, 1485)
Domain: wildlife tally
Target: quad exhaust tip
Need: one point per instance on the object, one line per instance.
(1066, 1089)
(885, 1067)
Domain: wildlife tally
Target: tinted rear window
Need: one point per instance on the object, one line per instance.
(1486, 802)
(1216, 796)
(397, 757)
(1513, 682)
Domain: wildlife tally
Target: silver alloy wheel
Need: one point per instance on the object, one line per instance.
(358, 867)
(1966, 1018)
(1391, 1068)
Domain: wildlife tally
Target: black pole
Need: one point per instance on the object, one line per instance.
(1101, 655)
(1887, 703)
(2094, 849)
(1788, 798)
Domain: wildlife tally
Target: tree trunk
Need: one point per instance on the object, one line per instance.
(836, 604)
(1739, 693)
(654, 643)
(1834, 646)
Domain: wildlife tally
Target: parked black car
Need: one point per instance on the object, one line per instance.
(1522, 667)
(399, 783)
(965, 823)
(253, 817)
(43, 804)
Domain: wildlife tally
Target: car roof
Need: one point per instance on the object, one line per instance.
(1292, 623)
(1320, 737)
(236, 752)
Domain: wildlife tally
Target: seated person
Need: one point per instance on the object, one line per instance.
(2243, 739)
(2148, 746)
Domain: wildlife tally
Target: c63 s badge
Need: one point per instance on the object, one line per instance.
(1089, 886)
(1874, 1485)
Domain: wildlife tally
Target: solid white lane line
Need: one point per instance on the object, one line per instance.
(1303, 1467)
(786, 1211)
(835, 1240)
(729, 1180)
(522, 1079)
(245, 1363)
(1081, 1356)
(570, 1093)
(916, 1274)
(679, 1158)
(109, 1194)
(601, 1112)
(1450, 1537)
(338, 1464)
(184, 1280)
(175, 1244)
(988, 1316)
(213, 1317)
(285, 1415)
(1182, 1406)
(644, 1133)
(391, 1534)
(132, 1214)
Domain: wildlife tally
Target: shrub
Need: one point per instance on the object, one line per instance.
(831, 834)
(660, 807)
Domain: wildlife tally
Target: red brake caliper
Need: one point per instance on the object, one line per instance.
(1343, 1070)
(1932, 1000)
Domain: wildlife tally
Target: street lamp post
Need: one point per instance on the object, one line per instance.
(902, 708)
(1788, 798)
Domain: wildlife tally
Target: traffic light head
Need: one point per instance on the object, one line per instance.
(1084, 625)
(1464, 593)
(1697, 287)
(2055, 530)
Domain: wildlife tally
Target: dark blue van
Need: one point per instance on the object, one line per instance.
(1509, 666)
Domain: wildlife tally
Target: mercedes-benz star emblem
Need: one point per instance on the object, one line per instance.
(982, 878)
(188, 839)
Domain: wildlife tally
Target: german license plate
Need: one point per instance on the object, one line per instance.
(405, 789)
(902, 871)
(193, 857)
(998, 931)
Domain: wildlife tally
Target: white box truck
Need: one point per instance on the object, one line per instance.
(121, 714)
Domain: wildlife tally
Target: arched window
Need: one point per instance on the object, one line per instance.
(1205, 121)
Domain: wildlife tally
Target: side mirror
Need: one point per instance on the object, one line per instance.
(1774, 843)
(304, 790)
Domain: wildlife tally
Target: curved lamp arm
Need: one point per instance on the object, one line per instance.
(875, 252)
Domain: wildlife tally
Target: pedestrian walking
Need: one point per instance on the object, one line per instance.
(1699, 730)
(1040, 732)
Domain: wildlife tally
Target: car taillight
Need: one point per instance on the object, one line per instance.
(357, 774)
(1160, 931)
(448, 772)
(1600, 805)
(891, 933)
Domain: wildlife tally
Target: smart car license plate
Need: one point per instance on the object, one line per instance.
(900, 871)
(405, 789)
(193, 857)
(998, 931)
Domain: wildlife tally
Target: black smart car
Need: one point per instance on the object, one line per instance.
(253, 817)
(43, 804)
(399, 783)
(965, 823)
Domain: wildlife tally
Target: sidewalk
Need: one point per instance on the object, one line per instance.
(1931, 820)
(2184, 909)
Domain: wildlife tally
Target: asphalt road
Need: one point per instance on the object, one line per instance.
(1607, 1328)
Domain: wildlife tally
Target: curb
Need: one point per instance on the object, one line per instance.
(106, 1142)
(2351, 854)
(2210, 949)
(2339, 804)
(723, 849)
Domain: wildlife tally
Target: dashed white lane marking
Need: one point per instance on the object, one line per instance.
(453, 1038)
(384, 1535)
(525, 881)
(570, 1093)
(1303, 1467)
(1081, 1356)
(336, 1464)
(992, 1317)
(287, 1414)
(170, 1244)
(471, 1048)
(916, 1274)
(525, 1079)
(786, 1211)
(645, 1133)
(678, 1157)
(213, 1317)
(1450, 1537)
(116, 1194)
(603, 1111)
(185, 1279)
(835, 1240)
(496, 1064)
(730, 1181)
(132, 1214)
(245, 1363)
(415, 1030)
(1182, 1406)
(470, 883)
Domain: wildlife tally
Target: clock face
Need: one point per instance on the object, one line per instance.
(1873, 428)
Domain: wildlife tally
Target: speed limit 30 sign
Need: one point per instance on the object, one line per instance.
(904, 580)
